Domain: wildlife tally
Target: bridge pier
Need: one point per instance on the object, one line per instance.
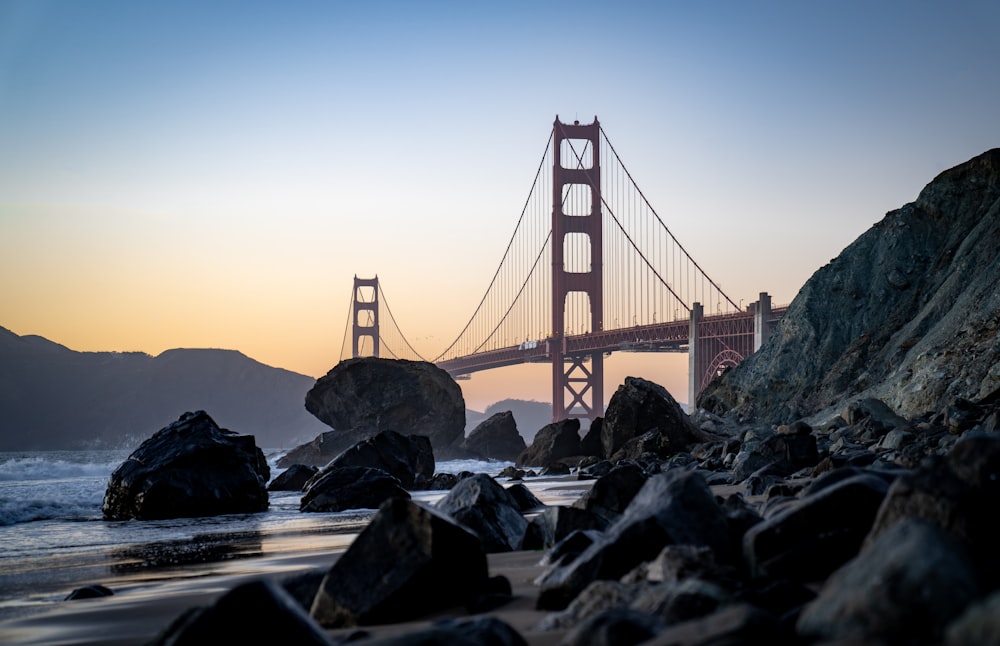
(695, 355)
(761, 320)
(359, 305)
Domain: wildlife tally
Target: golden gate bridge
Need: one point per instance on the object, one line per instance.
(590, 269)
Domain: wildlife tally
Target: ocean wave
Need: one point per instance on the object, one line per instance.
(13, 512)
(36, 467)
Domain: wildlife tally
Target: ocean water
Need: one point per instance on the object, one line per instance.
(53, 537)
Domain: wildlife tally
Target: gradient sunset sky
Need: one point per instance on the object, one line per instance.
(213, 174)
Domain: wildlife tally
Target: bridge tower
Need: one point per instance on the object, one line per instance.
(365, 301)
(577, 266)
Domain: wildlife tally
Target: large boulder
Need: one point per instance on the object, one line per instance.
(485, 507)
(557, 441)
(496, 438)
(639, 407)
(362, 397)
(408, 458)
(351, 488)
(408, 561)
(907, 314)
(189, 468)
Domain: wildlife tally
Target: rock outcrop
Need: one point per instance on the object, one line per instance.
(362, 397)
(557, 441)
(187, 469)
(639, 407)
(496, 438)
(908, 313)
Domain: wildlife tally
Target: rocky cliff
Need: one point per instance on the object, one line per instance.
(909, 313)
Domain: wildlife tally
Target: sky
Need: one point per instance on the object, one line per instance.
(214, 174)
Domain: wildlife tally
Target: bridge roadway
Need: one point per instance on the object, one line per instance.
(670, 336)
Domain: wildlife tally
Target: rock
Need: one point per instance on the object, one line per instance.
(258, 612)
(979, 624)
(904, 588)
(738, 623)
(486, 508)
(189, 468)
(476, 631)
(611, 494)
(409, 561)
(554, 524)
(93, 591)
(856, 331)
(673, 508)
(677, 563)
(555, 469)
(677, 601)
(618, 626)
(351, 488)
(591, 443)
(526, 501)
(570, 547)
(496, 438)
(362, 397)
(817, 534)
(408, 458)
(596, 469)
(640, 406)
(318, 452)
(442, 482)
(511, 472)
(294, 478)
(557, 441)
(597, 597)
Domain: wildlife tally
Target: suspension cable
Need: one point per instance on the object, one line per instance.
(396, 325)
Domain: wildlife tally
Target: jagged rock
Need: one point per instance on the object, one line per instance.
(408, 458)
(673, 508)
(855, 330)
(677, 601)
(475, 631)
(618, 626)
(496, 438)
(294, 478)
(591, 444)
(555, 469)
(526, 501)
(362, 397)
(677, 563)
(487, 509)
(597, 597)
(597, 469)
(557, 441)
(511, 472)
(817, 534)
(737, 623)
(905, 588)
(258, 612)
(611, 494)
(189, 468)
(405, 551)
(640, 406)
(351, 488)
(554, 524)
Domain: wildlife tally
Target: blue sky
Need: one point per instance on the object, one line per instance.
(193, 174)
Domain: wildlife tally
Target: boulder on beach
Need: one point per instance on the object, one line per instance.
(362, 397)
(294, 478)
(639, 407)
(496, 438)
(187, 469)
(351, 488)
(408, 458)
(485, 507)
(557, 441)
(408, 561)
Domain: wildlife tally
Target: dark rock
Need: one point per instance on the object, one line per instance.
(526, 501)
(189, 468)
(294, 478)
(979, 624)
(362, 397)
(856, 331)
(557, 441)
(259, 612)
(442, 482)
(652, 444)
(817, 534)
(677, 563)
(905, 587)
(555, 469)
(408, 458)
(476, 631)
(738, 623)
(570, 547)
(405, 551)
(677, 601)
(351, 488)
(611, 494)
(554, 524)
(597, 597)
(591, 443)
(486, 508)
(672, 508)
(303, 586)
(511, 472)
(618, 626)
(640, 406)
(93, 591)
(595, 470)
(496, 438)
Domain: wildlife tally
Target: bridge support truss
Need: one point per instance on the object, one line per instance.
(724, 341)
(365, 302)
(577, 390)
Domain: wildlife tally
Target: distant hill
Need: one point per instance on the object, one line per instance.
(52, 397)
